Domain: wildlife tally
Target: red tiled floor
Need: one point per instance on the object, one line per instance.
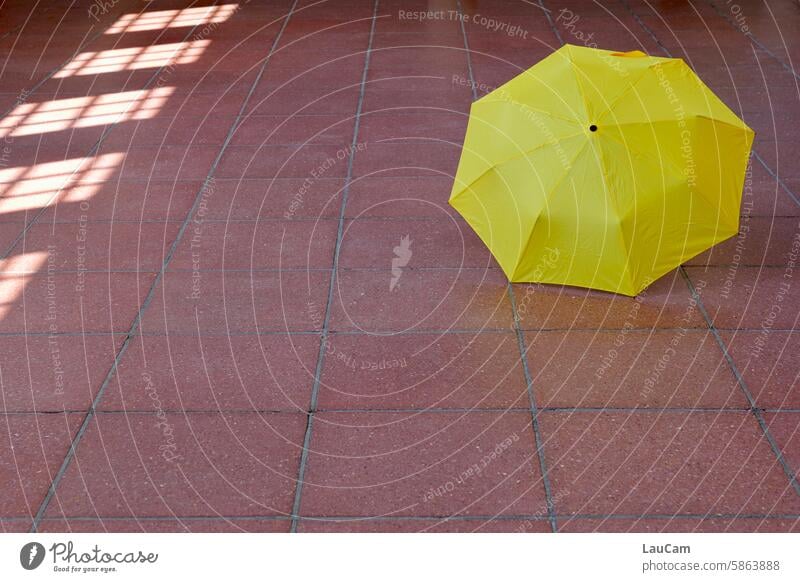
(269, 372)
(125, 200)
(282, 244)
(375, 464)
(32, 447)
(293, 99)
(175, 525)
(663, 463)
(433, 243)
(48, 373)
(629, 369)
(87, 302)
(682, 525)
(408, 157)
(762, 241)
(283, 161)
(437, 124)
(289, 198)
(768, 362)
(785, 426)
(421, 374)
(423, 370)
(748, 297)
(237, 301)
(334, 129)
(667, 303)
(205, 464)
(15, 525)
(434, 91)
(422, 299)
(425, 526)
(405, 197)
(94, 246)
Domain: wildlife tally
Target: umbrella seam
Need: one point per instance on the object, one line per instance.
(679, 172)
(561, 178)
(632, 86)
(577, 80)
(515, 158)
(523, 105)
(611, 195)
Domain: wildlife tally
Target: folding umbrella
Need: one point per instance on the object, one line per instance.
(601, 169)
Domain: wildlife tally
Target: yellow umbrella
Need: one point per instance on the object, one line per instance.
(601, 169)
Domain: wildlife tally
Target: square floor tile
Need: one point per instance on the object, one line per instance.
(175, 525)
(423, 370)
(408, 157)
(238, 301)
(377, 464)
(480, 525)
(272, 244)
(32, 447)
(80, 301)
(294, 161)
(215, 372)
(334, 129)
(289, 198)
(663, 463)
(94, 246)
(761, 241)
(438, 91)
(51, 373)
(785, 429)
(204, 464)
(631, 369)
(666, 303)
(125, 200)
(434, 124)
(370, 242)
(769, 363)
(416, 300)
(405, 197)
(748, 297)
(681, 525)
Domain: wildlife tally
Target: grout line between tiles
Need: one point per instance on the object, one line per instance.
(431, 410)
(368, 518)
(552, 24)
(11, 273)
(336, 251)
(453, 410)
(757, 412)
(778, 179)
(151, 292)
(537, 436)
(537, 433)
(749, 35)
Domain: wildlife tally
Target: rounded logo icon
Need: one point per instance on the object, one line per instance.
(31, 555)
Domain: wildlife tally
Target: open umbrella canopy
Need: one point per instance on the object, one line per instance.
(601, 169)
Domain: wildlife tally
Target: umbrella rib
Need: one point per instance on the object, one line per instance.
(578, 82)
(521, 155)
(561, 178)
(612, 197)
(742, 127)
(631, 87)
(525, 106)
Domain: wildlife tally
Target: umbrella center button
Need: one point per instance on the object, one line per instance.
(593, 127)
